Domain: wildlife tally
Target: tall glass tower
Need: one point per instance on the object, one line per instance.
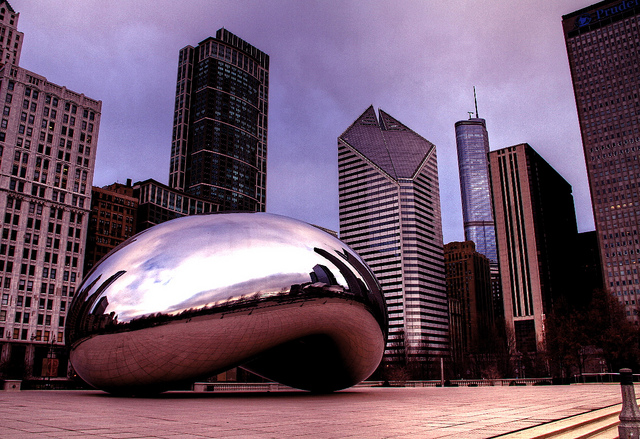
(219, 145)
(472, 142)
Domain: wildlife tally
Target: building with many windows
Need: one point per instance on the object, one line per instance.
(602, 45)
(536, 232)
(472, 142)
(10, 38)
(219, 144)
(390, 214)
(48, 137)
(471, 309)
(112, 220)
(158, 203)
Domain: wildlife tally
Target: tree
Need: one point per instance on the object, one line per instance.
(575, 332)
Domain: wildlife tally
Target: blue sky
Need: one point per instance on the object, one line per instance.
(418, 60)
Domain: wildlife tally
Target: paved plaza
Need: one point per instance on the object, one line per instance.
(363, 412)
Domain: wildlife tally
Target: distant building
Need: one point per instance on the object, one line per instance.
(390, 214)
(472, 142)
(158, 203)
(48, 137)
(219, 144)
(112, 220)
(471, 308)
(536, 231)
(602, 46)
(589, 265)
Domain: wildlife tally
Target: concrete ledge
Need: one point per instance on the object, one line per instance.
(12, 385)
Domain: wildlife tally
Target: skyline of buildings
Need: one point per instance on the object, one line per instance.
(602, 43)
(388, 189)
(219, 140)
(389, 203)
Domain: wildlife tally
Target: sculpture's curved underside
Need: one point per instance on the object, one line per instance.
(198, 295)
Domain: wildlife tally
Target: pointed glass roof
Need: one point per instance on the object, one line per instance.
(388, 143)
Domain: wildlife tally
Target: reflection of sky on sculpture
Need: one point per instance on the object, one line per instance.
(171, 266)
(255, 287)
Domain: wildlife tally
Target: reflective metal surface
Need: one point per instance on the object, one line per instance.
(198, 295)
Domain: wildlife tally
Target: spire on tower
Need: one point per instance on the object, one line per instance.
(475, 99)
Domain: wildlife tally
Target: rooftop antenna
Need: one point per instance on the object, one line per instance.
(475, 99)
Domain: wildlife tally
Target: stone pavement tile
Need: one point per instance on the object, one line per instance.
(159, 435)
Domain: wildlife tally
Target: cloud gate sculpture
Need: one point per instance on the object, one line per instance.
(198, 295)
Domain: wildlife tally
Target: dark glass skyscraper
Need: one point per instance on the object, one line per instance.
(602, 44)
(472, 142)
(219, 142)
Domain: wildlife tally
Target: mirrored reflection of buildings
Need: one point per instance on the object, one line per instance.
(472, 321)
(48, 139)
(390, 215)
(602, 43)
(537, 232)
(219, 144)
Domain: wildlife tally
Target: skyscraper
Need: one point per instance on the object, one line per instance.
(390, 214)
(48, 137)
(219, 142)
(472, 142)
(537, 232)
(602, 44)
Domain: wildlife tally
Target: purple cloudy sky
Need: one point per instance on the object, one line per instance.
(416, 59)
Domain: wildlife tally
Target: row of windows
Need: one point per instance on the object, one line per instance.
(38, 336)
